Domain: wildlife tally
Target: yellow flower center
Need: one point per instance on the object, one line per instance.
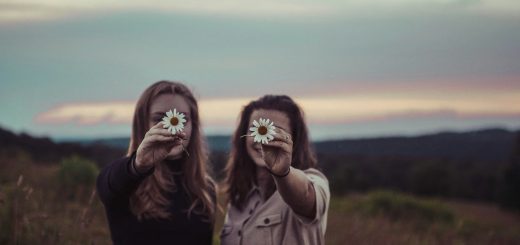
(174, 121)
(262, 130)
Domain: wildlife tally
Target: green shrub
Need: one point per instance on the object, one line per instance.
(76, 176)
(398, 206)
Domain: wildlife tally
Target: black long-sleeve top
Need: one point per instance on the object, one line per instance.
(116, 183)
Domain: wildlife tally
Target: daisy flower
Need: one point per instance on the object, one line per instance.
(263, 130)
(174, 121)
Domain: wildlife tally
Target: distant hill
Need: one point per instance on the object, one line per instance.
(44, 150)
(486, 144)
(220, 143)
(469, 165)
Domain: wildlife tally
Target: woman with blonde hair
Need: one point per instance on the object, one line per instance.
(276, 194)
(161, 192)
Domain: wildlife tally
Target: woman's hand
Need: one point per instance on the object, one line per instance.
(158, 142)
(278, 153)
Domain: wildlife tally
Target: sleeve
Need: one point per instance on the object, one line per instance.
(322, 192)
(117, 181)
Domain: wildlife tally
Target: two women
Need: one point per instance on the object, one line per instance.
(161, 193)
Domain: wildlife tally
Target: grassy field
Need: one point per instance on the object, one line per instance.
(35, 208)
(390, 220)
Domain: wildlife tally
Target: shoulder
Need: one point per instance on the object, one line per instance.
(116, 165)
(117, 162)
(320, 184)
(315, 175)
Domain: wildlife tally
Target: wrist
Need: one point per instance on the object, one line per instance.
(282, 175)
(139, 168)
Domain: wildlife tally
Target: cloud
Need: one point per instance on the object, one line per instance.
(31, 10)
(121, 112)
(445, 114)
(52, 9)
(88, 113)
(320, 110)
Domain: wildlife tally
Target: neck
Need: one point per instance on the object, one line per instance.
(174, 165)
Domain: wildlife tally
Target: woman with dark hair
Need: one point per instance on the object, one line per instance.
(161, 193)
(276, 196)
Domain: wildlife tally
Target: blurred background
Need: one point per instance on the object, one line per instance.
(413, 106)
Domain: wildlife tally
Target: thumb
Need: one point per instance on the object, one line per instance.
(264, 157)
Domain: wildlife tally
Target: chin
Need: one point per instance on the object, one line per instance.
(259, 163)
(174, 155)
(169, 157)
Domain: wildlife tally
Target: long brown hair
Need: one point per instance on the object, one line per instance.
(240, 168)
(149, 200)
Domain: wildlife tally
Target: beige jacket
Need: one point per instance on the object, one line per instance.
(273, 221)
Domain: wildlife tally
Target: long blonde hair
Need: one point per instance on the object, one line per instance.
(150, 200)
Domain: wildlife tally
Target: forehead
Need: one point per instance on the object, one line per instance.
(279, 118)
(166, 102)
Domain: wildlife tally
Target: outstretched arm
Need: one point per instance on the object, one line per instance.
(292, 184)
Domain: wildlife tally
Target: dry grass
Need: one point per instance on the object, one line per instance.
(475, 223)
(33, 211)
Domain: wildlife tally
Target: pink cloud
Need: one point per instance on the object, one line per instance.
(318, 110)
(88, 113)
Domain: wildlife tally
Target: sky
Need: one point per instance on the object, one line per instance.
(358, 68)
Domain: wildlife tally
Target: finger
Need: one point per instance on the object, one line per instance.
(279, 144)
(159, 131)
(158, 125)
(181, 135)
(161, 138)
(154, 127)
(286, 138)
(279, 129)
(283, 136)
(178, 141)
(262, 155)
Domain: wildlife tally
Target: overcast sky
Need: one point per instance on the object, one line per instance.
(359, 68)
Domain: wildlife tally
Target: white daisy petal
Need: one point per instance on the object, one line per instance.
(267, 130)
(174, 129)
